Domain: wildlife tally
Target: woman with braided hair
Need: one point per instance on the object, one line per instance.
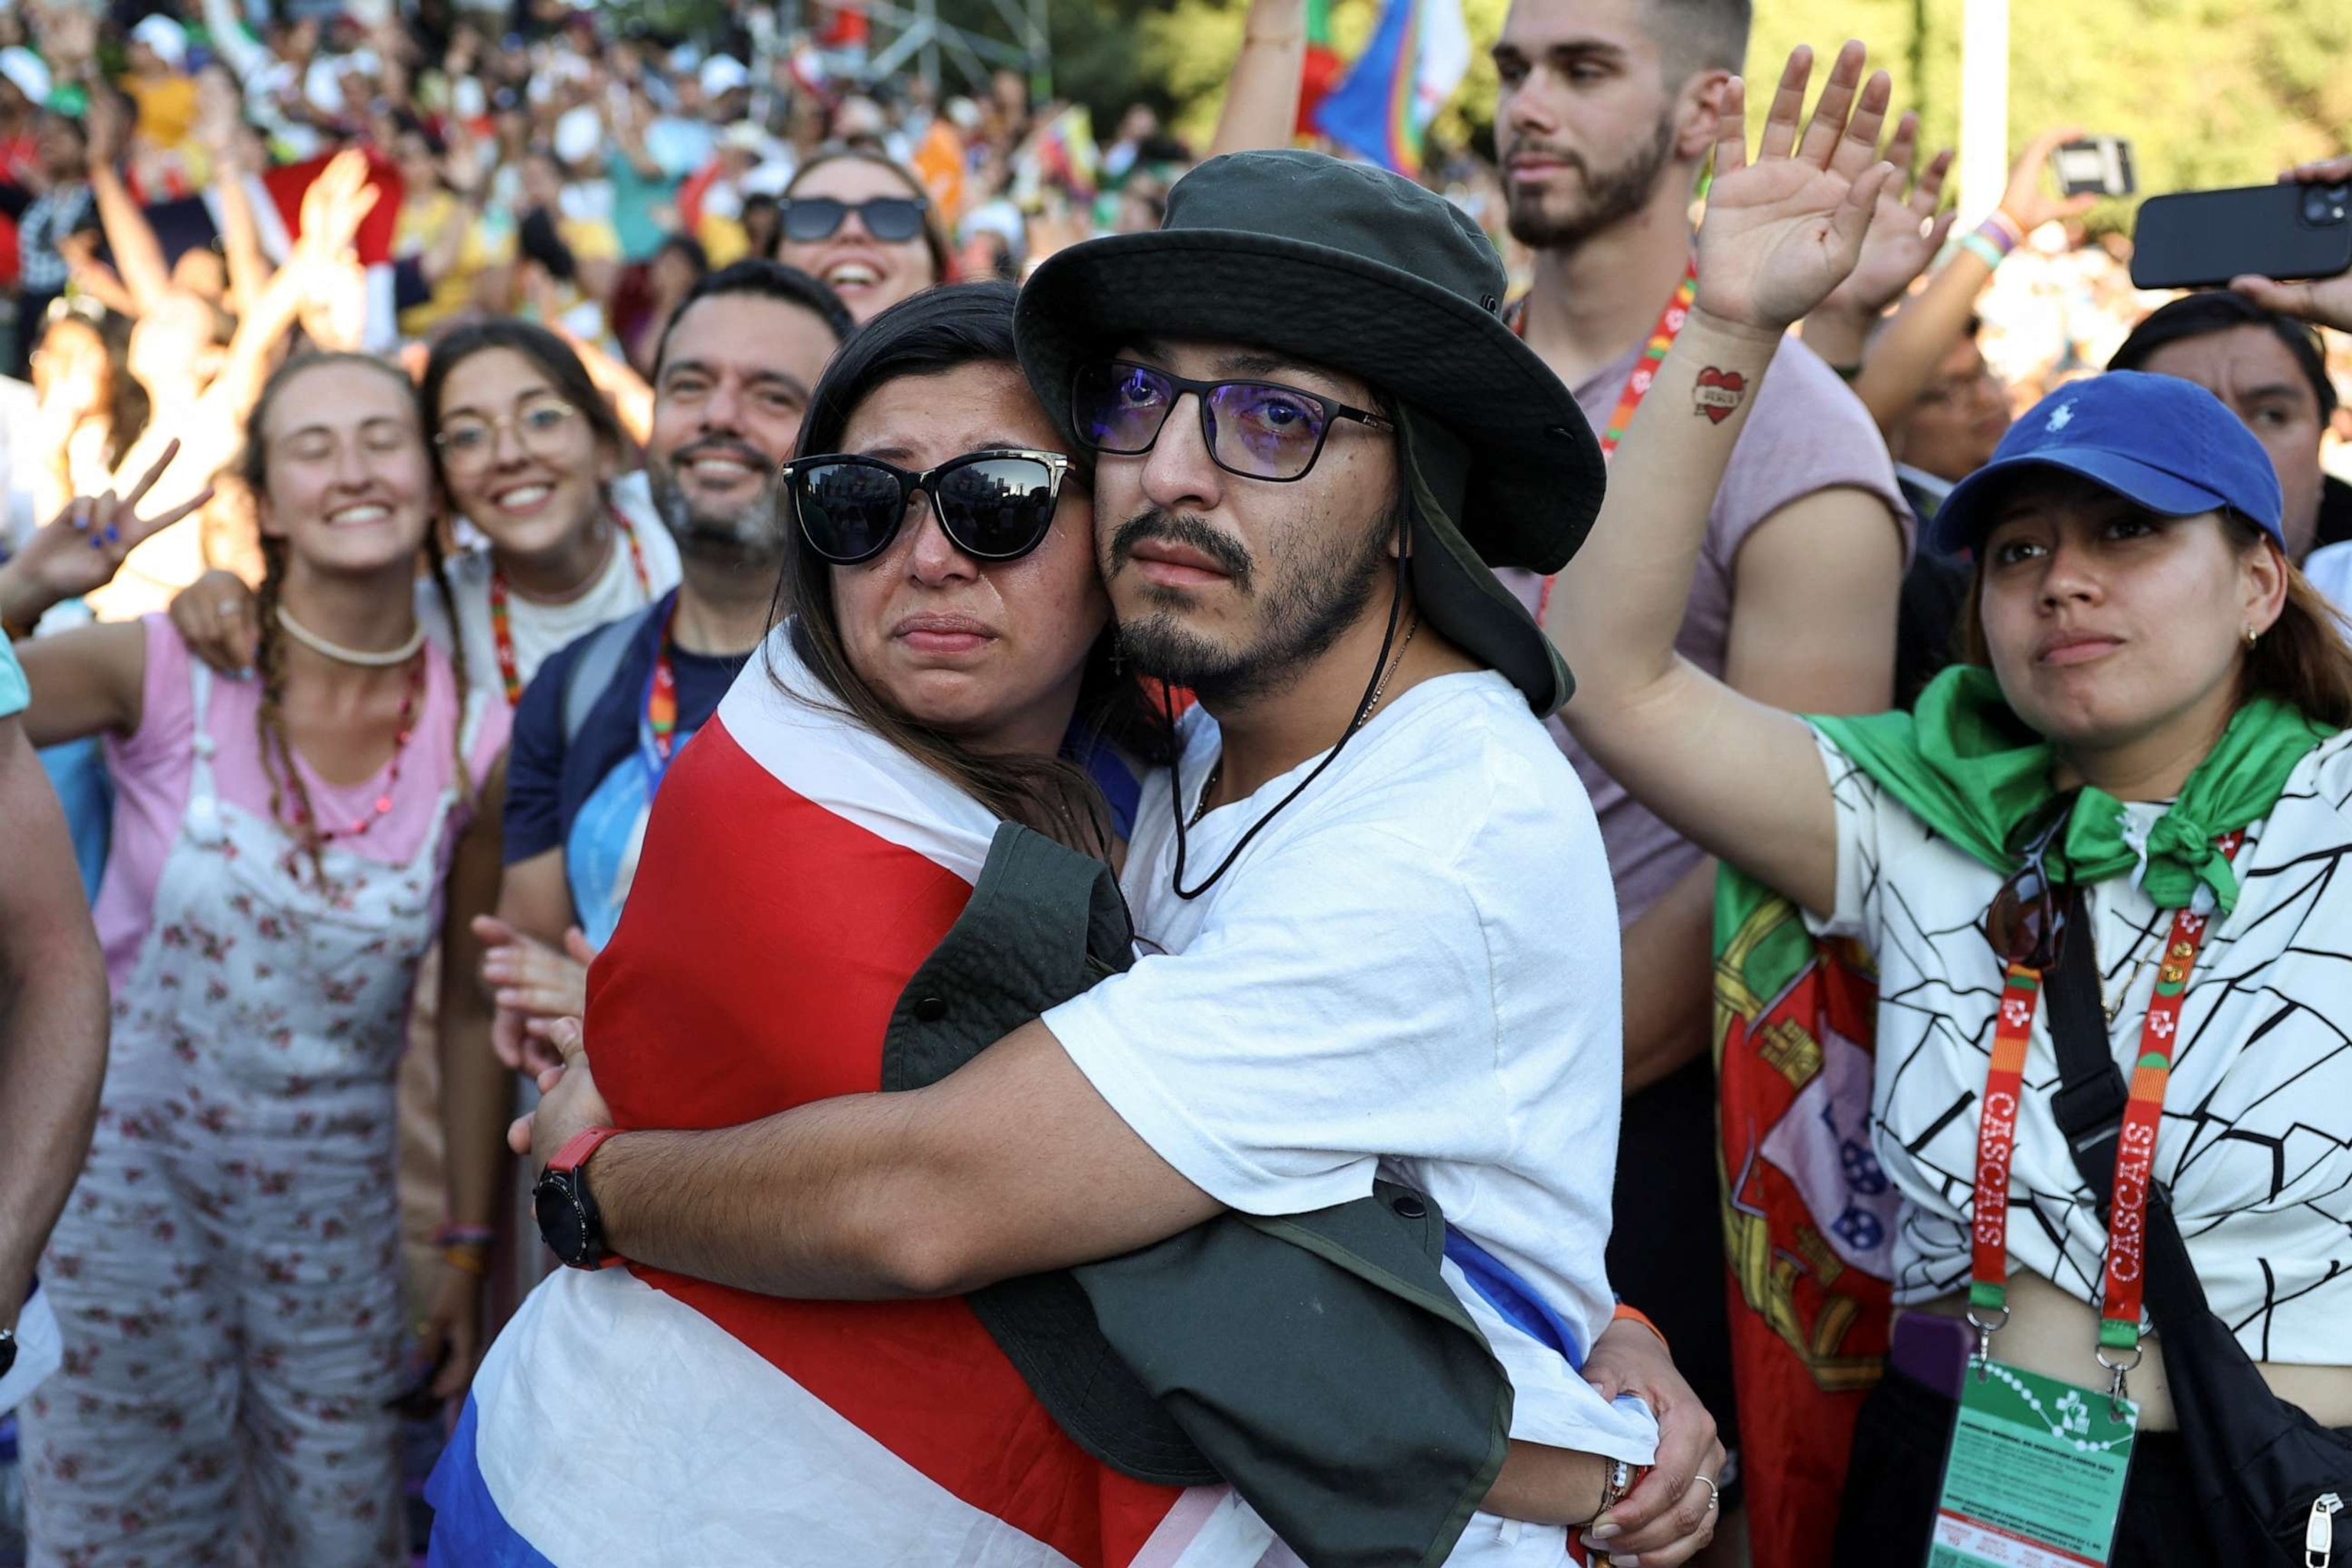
(284, 850)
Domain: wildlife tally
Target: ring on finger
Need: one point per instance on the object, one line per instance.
(1714, 1494)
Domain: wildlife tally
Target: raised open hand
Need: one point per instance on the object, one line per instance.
(1905, 231)
(334, 206)
(1783, 231)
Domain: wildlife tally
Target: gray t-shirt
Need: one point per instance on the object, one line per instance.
(1808, 433)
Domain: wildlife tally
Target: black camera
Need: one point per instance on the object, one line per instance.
(2324, 205)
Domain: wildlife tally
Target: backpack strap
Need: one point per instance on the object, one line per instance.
(593, 671)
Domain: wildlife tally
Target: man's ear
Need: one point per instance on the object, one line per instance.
(1698, 119)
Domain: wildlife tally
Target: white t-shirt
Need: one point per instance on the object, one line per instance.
(541, 629)
(2255, 1147)
(1411, 970)
(2329, 567)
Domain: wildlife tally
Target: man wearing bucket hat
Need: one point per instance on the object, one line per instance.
(1371, 895)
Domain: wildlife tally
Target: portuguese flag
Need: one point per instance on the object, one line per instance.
(1808, 1215)
(1320, 74)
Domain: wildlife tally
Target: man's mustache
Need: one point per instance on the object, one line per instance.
(1173, 528)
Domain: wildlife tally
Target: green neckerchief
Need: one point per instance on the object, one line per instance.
(1969, 768)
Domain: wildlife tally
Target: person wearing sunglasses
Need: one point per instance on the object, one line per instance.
(866, 226)
(1373, 911)
(2139, 768)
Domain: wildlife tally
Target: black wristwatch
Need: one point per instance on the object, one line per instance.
(7, 1349)
(568, 1220)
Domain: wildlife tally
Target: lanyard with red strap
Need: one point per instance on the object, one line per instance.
(502, 628)
(1637, 384)
(2135, 1149)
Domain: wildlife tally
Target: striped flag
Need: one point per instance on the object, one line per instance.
(797, 871)
(1404, 76)
(1319, 73)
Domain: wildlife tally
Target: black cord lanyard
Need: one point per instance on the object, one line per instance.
(1176, 754)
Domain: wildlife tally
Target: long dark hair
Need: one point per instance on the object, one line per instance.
(931, 334)
(549, 354)
(269, 720)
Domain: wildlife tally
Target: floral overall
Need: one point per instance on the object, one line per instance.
(226, 1272)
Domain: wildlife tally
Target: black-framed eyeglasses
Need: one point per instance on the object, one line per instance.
(994, 505)
(2026, 921)
(1258, 429)
(893, 220)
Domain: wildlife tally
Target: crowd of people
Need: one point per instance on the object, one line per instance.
(758, 818)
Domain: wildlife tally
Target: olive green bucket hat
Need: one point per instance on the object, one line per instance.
(1351, 267)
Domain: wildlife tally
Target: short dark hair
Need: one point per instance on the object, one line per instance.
(767, 280)
(1695, 36)
(551, 355)
(2211, 311)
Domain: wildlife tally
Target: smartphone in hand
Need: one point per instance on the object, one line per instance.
(2095, 165)
(2202, 239)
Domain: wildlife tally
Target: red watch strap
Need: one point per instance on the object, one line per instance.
(574, 1154)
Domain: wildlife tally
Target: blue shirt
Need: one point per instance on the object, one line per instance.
(589, 796)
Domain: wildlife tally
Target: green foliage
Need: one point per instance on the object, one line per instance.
(2210, 92)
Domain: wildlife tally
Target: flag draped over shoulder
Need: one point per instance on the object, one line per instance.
(1808, 1215)
(797, 872)
(1418, 56)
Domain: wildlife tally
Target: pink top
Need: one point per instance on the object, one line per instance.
(155, 766)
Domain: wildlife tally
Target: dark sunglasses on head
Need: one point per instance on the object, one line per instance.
(2026, 923)
(1258, 429)
(996, 505)
(890, 219)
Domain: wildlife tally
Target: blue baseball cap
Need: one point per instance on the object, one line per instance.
(2158, 441)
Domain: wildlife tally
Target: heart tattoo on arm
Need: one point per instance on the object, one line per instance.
(1718, 392)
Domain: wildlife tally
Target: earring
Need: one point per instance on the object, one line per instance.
(2253, 637)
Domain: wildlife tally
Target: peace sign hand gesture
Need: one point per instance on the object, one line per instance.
(1784, 231)
(82, 548)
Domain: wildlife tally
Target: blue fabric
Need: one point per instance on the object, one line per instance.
(1122, 791)
(636, 208)
(1512, 1297)
(468, 1531)
(14, 693)
(549, 783)
(78, 772)
(2160, 442)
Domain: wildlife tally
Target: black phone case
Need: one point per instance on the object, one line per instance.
(2198, 239)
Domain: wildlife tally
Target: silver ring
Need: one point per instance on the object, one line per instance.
(1714, 1494)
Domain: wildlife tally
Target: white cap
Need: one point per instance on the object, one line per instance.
(578, 134)
(22, 67)
(724, 73)
(165, 36)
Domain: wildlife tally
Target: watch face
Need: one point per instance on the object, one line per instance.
(562, 1224)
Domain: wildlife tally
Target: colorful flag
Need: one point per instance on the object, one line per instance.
(1415, 60)
(1320, 71)
(797, 872)
(1809, 1215)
